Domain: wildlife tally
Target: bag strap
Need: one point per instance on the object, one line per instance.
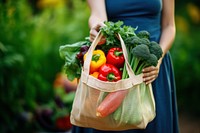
(137, 79)
(128, 66)
(109, 86)
(86, 65)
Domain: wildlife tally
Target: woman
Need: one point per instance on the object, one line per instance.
(157, 17)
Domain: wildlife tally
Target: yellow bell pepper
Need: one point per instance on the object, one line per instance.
(98, 59)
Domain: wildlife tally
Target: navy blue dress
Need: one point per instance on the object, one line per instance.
(146, 15)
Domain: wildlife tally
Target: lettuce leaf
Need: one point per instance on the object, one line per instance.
(72, 65)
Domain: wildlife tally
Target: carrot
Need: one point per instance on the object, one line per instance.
(110, 103)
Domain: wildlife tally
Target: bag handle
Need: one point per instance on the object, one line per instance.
(86, 65)
(124, 50)
(112, 86)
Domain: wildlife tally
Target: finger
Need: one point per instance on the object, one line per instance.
(148, 69)
(93, 34)
(94, 30)
(92, 38)
(103, 39)
(102, 24)
(149, 79)
(151, 73)
(99, 25)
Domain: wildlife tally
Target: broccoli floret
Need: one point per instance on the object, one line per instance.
(142, 58)
(135, 40)
(152, 61)
(145, 41)
(128, 40)
(143, 34)
(155, 49)
(132, 41)
(141, 51)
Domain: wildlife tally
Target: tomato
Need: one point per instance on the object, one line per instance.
(102, 41)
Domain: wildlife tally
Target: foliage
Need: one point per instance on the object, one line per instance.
(185, 54)
(110, 31)
(72, 54)
(29, 57)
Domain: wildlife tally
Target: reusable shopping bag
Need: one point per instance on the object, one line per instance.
(136, 110)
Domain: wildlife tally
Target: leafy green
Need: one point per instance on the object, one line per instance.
(111, 30)
(72, 65)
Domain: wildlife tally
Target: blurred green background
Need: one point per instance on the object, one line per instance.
(35, 96)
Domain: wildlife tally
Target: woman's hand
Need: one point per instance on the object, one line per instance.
(151, 73)
(94, 31)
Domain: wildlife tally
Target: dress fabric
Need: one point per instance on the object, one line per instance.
(146, 15)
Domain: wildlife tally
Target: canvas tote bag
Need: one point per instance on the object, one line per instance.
(136, 110)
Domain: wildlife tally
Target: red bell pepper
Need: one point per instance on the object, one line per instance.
(108, 72)
(115, 57)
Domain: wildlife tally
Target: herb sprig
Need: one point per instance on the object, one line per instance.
(110, 31)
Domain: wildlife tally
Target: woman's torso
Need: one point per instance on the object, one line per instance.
(144, 14)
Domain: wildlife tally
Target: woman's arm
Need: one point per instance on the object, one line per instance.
(97, 16)
(98, 12)
(168, 26)
(166, 39)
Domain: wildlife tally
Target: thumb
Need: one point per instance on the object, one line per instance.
(98, 26)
